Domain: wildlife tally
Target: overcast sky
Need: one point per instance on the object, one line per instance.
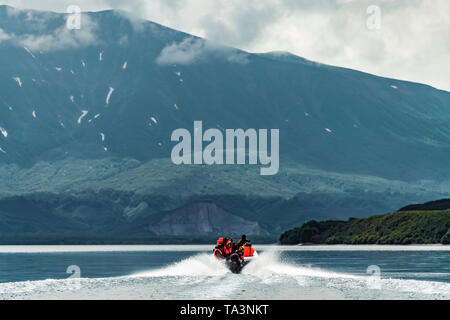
(404, 39)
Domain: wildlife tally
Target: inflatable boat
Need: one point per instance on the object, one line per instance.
(235, 258)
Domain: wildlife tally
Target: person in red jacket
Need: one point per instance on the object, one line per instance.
(224, 248)
(219, 250)
(229, 248)
(247, 251)
(242, 241)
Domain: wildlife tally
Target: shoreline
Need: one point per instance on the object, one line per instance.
(5, 249)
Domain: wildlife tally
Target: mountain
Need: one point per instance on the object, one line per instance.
(442, 204)
(86, 118)
(412, 226)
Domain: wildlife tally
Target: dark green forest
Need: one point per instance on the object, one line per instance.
(401, 227)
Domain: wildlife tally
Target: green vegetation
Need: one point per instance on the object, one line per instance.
(402, 227)
(161, 176)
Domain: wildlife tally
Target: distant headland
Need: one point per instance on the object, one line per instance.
(426, 223)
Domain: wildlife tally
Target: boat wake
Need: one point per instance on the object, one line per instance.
(203, 277)
(198, 265)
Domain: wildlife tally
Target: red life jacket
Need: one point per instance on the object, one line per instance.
(248, 251)
(229, 250)
(219, 241)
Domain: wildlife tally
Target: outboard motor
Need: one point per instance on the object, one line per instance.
(235, 263)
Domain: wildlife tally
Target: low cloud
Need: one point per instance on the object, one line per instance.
(41, 35)
(137, 23)
(62, 38)
(193, 50)
(13, 11)
(4, 36)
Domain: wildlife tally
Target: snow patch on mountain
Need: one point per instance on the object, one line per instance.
(4, 132)
(83, 114)
(108, 96)
(29, 51)
(19, 82)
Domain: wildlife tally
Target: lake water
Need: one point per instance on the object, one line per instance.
(190, 272)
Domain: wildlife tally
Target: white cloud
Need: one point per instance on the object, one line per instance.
(192, 50)
(62, 38)
(3, 35)
(137, 23)
(185, 52)
(13, 11)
